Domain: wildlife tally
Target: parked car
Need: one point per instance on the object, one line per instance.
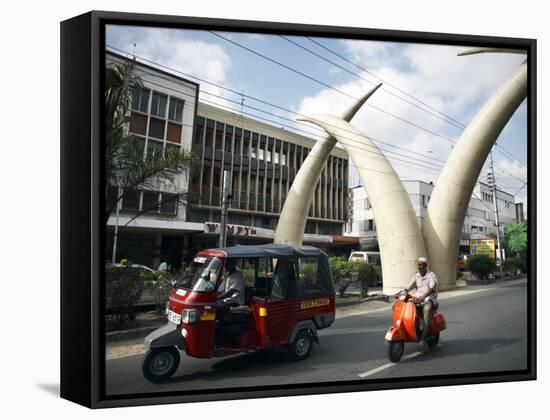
(371, 257)
(147, 297)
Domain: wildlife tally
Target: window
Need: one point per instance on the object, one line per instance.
(283, 159)
(268, 156)
(154, 148)
(175, 111)
(423, 200)
(140, 145)
(228, 137)
(276, 157)
(140, 98)
(261, 154)
(307, 280)
(130, 200)
(168, 203)
(158, 105)
(150, 201)
(199, 130)
(156, 128)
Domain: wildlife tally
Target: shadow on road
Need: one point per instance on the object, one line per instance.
(467, 346)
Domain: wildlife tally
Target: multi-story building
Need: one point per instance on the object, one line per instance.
(480, 219)
(262, 161)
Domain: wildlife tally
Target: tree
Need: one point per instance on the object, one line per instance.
(126, 167)
(516, 237)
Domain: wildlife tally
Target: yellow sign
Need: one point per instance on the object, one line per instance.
(483, 246)
(307, 304)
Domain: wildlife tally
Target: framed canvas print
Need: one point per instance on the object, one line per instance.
(254, 209)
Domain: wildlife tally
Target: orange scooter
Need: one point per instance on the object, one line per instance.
(407, 326)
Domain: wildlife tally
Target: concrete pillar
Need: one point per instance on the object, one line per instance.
(292, 221)
(451, 195)
(399, 235)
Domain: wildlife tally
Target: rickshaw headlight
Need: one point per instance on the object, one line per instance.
(190, 316)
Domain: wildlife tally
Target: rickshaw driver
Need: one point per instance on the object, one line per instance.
(232, 290)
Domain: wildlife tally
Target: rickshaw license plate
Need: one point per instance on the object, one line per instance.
(174, 317)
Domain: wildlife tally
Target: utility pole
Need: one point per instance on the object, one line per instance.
(225, 201)
(493, 189)
(115, 239)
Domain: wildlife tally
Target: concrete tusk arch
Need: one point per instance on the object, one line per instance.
(293, 218)
(450, 198)
(399, 235)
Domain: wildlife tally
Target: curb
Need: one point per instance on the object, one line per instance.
(124, 335)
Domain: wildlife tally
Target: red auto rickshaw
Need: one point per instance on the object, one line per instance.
(289, 297)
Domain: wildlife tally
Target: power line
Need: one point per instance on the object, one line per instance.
(270, 113)
(276, 106)
(455, 122)
(333, 88)
(373, 83)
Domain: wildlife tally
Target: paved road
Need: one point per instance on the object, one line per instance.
(486, 331)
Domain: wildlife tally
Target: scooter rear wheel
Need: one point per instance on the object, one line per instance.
(432, 340)
(395, 350)
(160, 363)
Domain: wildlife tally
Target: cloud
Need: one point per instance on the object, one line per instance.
(177, 50)
(455, 86)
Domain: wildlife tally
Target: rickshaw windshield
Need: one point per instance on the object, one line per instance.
(202, 274)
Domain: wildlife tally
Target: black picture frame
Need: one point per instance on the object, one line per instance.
(82, 237)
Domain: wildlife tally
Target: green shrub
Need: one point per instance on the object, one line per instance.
(123, 289)
(366, 275)
(159, 284)
(481, 265)
(340, 273)
(513, 264)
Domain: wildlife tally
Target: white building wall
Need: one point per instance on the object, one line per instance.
(479, 220)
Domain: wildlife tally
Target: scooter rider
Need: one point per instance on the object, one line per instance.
(425, 283)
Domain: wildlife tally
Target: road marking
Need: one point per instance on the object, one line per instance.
(388, 365)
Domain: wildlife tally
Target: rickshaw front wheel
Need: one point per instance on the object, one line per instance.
(301, 346)
(160, 363)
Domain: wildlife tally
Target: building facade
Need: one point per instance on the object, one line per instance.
(262, 161)
(479, 222)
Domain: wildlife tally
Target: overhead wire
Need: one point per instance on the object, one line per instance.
(276, 106)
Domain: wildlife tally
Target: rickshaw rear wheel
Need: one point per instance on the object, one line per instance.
(301, 346)
(160, 363)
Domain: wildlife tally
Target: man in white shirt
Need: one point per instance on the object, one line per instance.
(425, 283)
(233, 287)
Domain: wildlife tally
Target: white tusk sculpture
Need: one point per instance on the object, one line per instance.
(399, 235)
(293, 218)
(449, 200)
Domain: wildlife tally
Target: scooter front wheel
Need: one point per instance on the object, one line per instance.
(395, 350)
(160, 363)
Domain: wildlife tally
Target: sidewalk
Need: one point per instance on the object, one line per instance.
(130, 342)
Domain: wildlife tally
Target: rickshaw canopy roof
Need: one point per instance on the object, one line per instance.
(270, 250)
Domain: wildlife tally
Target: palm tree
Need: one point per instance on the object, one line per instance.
(126, 167)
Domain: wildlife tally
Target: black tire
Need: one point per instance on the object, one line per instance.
(301, 346)
(395, 350)
(160, 363)
(432, 340)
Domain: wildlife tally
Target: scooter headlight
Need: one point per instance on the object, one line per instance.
(190, 316)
